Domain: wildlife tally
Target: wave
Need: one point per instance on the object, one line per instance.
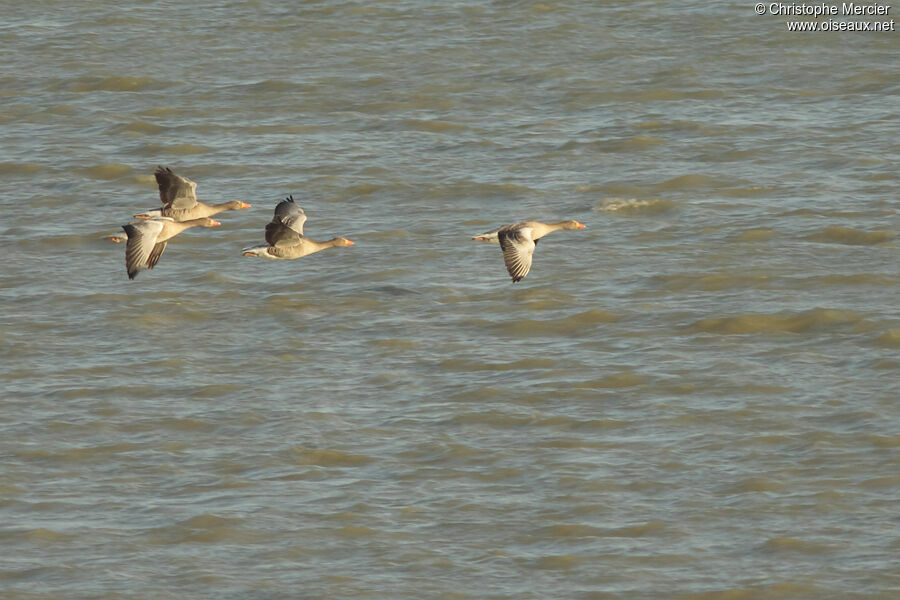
(570, 325)
(634, 206)
(327, 458)
(177, 149)
(205, 528)
(666, 95)
(690, 282)
(703, 127)
(840, 279)
(107, 171)
(13, 168)
(758, 234)
(274, 85)
(526, 364)
(781, 545)
(141, 127)
(635, 143)
(755, 485)
(818, 319)
(777, 590)
(280, 129)
(43, 536)
(559, 563)
(889, 339)
(468, 187)
(853, 237)
(689, 181)
(432, 126)
(118, 84)
(615, 381)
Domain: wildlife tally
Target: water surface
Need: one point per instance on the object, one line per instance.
(694, 397)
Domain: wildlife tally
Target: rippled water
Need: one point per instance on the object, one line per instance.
(694, 397)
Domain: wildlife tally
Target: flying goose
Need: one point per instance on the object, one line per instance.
(147, 239)
(519, 240)
(284, 235)
(179, 197)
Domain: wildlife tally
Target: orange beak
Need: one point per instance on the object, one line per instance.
(350, 243)
(215, 223)
(579, 226)
(244, 205)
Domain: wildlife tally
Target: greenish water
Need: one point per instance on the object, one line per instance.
(694, 397)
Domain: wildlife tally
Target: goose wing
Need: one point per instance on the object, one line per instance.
(157, 251)
(142, 244)
(518, 248)
(280, 235)
(289, 214)
(175, 191)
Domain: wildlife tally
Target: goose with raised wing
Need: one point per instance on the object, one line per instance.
(284, 235)
(179, 198)
(519, 240)
(147, 239)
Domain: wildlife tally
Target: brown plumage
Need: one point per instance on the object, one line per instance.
(300, 248)
(284, 235)
(519, 240)
(179, 198)
(147, 239)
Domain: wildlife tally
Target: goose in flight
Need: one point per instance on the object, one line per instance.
(179, 198)
(284, 235)
(147, 239)
(519, 240)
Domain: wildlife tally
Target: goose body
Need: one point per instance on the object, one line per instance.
(519, 240)
(303, 247)
(179, 198)
(147, 239)
(284, 235)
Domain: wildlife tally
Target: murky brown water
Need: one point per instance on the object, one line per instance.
(695, 397)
